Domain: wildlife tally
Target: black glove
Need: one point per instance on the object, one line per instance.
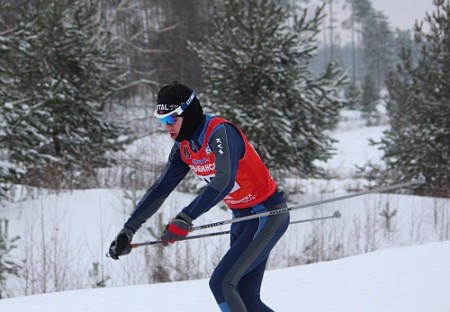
(121, 245)
(177, 229)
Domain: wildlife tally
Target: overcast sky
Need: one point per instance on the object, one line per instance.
(403, 13)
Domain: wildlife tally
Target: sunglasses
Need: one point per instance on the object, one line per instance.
(169, 120)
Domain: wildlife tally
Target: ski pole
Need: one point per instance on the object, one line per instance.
(419, 180)
(158, 242)
(336, 214)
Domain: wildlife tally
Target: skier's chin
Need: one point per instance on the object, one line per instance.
(173, 135)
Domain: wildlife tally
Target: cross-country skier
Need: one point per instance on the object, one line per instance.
(218, 152)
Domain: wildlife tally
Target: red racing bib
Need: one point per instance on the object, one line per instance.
(253, 184)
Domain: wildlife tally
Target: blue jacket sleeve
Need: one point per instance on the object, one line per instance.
(228, 146)
(174, 171)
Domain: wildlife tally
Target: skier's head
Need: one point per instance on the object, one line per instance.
(177, 100)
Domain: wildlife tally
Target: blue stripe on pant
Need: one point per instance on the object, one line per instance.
(236, 281)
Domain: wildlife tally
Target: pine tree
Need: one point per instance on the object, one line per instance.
(353, 95)
(255, 69)
(8, 265)
(57, 71)
(378, 45)
(419, 108)
(377, 40)
(369, 100)
(404, 41)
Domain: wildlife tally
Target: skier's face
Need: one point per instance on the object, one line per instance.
(174, 128)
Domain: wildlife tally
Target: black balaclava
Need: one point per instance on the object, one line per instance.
(174, 95)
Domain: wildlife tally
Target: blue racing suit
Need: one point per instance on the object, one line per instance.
(237, 279)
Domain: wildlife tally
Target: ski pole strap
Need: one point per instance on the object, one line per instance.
(336, 214)
(419, 180)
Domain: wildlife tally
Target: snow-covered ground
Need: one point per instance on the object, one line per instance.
(75, 229)
(408, 279)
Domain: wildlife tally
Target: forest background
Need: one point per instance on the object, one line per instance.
(78, 79)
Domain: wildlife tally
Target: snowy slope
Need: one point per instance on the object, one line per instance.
(409, 279)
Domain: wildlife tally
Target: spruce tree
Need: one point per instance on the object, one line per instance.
(419, 109)
(57, 72)
(256, 74)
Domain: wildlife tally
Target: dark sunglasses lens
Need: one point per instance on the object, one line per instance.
(168, 120)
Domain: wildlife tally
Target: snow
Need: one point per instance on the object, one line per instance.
(402, 270)
(408, 279)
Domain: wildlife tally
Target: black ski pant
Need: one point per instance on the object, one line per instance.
(236, 281)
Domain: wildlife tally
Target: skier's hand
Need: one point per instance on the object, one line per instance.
(121, 244)
(177, 229)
